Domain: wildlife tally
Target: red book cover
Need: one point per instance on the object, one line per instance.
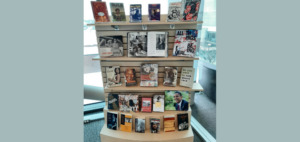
(146, 104)
(100, 11)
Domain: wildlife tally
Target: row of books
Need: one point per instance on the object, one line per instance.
(126, 123)
(187, 10)
(149, 76)
(172, 100)
(149, 44)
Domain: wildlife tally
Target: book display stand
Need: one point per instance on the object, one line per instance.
(110, 29)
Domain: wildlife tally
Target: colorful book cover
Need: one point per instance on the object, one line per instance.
(154, 12)
(110, 46)
(128, 103)
(169, 123)
(112, 120)
(113, 102)
(191, 9)
(113, 76)
(100, 11)
(158, 103)
(160, 48)
(170, 78)
(146, 104)
(154, 125)
(117, 12)
(183, 121)
(137, 44)
(135, 13)
(185, 43)
(149, 75)
(126, 122)
(140, 124)
(174, 11)
(187, 77)
(130, 77)
(177, 100)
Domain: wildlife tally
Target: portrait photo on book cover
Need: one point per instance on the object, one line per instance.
(110, 45)
(177, 100)
(137, 44)
(139, 125)
(160, 42)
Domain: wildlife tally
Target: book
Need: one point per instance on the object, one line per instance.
(191, 9)
(157, 44)
(137, 44)
(183, 121)
(154, 125)
(117, 12)
(169, 123)
(170, 78)
(158, 103)
(112, 120)
(177, 100)
(113, 101)
(126, 122)
(113, 76)
(140, 124)
(110, 46)
(100, 11)
(135, 13)
(130, 77)
(187, 77)
(146, 104)
(174, 12)
(154, 12)
(149, 75)
(128, 103)
(185, 43)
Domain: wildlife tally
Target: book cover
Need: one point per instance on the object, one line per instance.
(100, 11)
(135, 13)
(154, 12)
(183, 121)
(191, 9)
(154, 125)
(158, 103)
(174, 11)
(169, 123)
(117, 12)
(128, 103)
(113, 77)
(149, 75)
(187, 77)
(140, 124)
(185, 43)
(146, 104)
(113, 102)
(170, 78)
(126, 122)
(130, 77)
(137, 44)
(157, 44)
(112, 120)
(177, 100)
(110, 46)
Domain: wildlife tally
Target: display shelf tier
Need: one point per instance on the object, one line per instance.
(170, 58)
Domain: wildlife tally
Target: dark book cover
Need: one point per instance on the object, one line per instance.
(112, 120)
(137, 44)
(130, 77)
(135, 13)
(100, 11)
(113, 101)
(110, 45)
(183, 121)
(154, 125)
(146, 104)
(170, 78)
(117, 12)
(140, 124)
(149, 75)
(191, 9)
(154, 12)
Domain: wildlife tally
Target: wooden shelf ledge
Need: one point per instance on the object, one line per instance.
(145, 23)
(170, 58)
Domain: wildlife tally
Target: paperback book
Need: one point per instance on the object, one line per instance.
(174, 11)
(183, 121)
(154, 125)
(158, 103)
(126, 122)
(113, 103)
(140, 124)
(185, 43)
(135, 13)
(130, 77)
(146, 104)
(187, 77)
(110, 46)
(113, 76)
(100, 11)
(170, 78)
(137, 44)
(177, 100)
(128, 103)
(117, 12)
(159, 44)
(154, 12)
(149, 75)
(112, 120)
(191, 9)
(169, 123)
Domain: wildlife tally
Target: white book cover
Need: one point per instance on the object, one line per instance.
(157, 44)
(113, 76)
(187, 77)
(174, 11)
(158, 103)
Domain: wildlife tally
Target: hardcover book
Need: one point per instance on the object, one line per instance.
(191, 9)
(177, 100)
(110, 46)
(158, 103)
(154, 125)
(149, 75)
(113, 102)
(187, 77)
(137, 44)
(100, 11)
(159, 44)
(183, 121)
(129, 103)
(113, 76)
(140, 124)
(112, 120)
(154, 12)
(174, 11)
(185, 43)
(130, 77)
(135, 13)
(146, 104)
(169, 123)
(126, 122)
(170, 78)
(117, 12)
